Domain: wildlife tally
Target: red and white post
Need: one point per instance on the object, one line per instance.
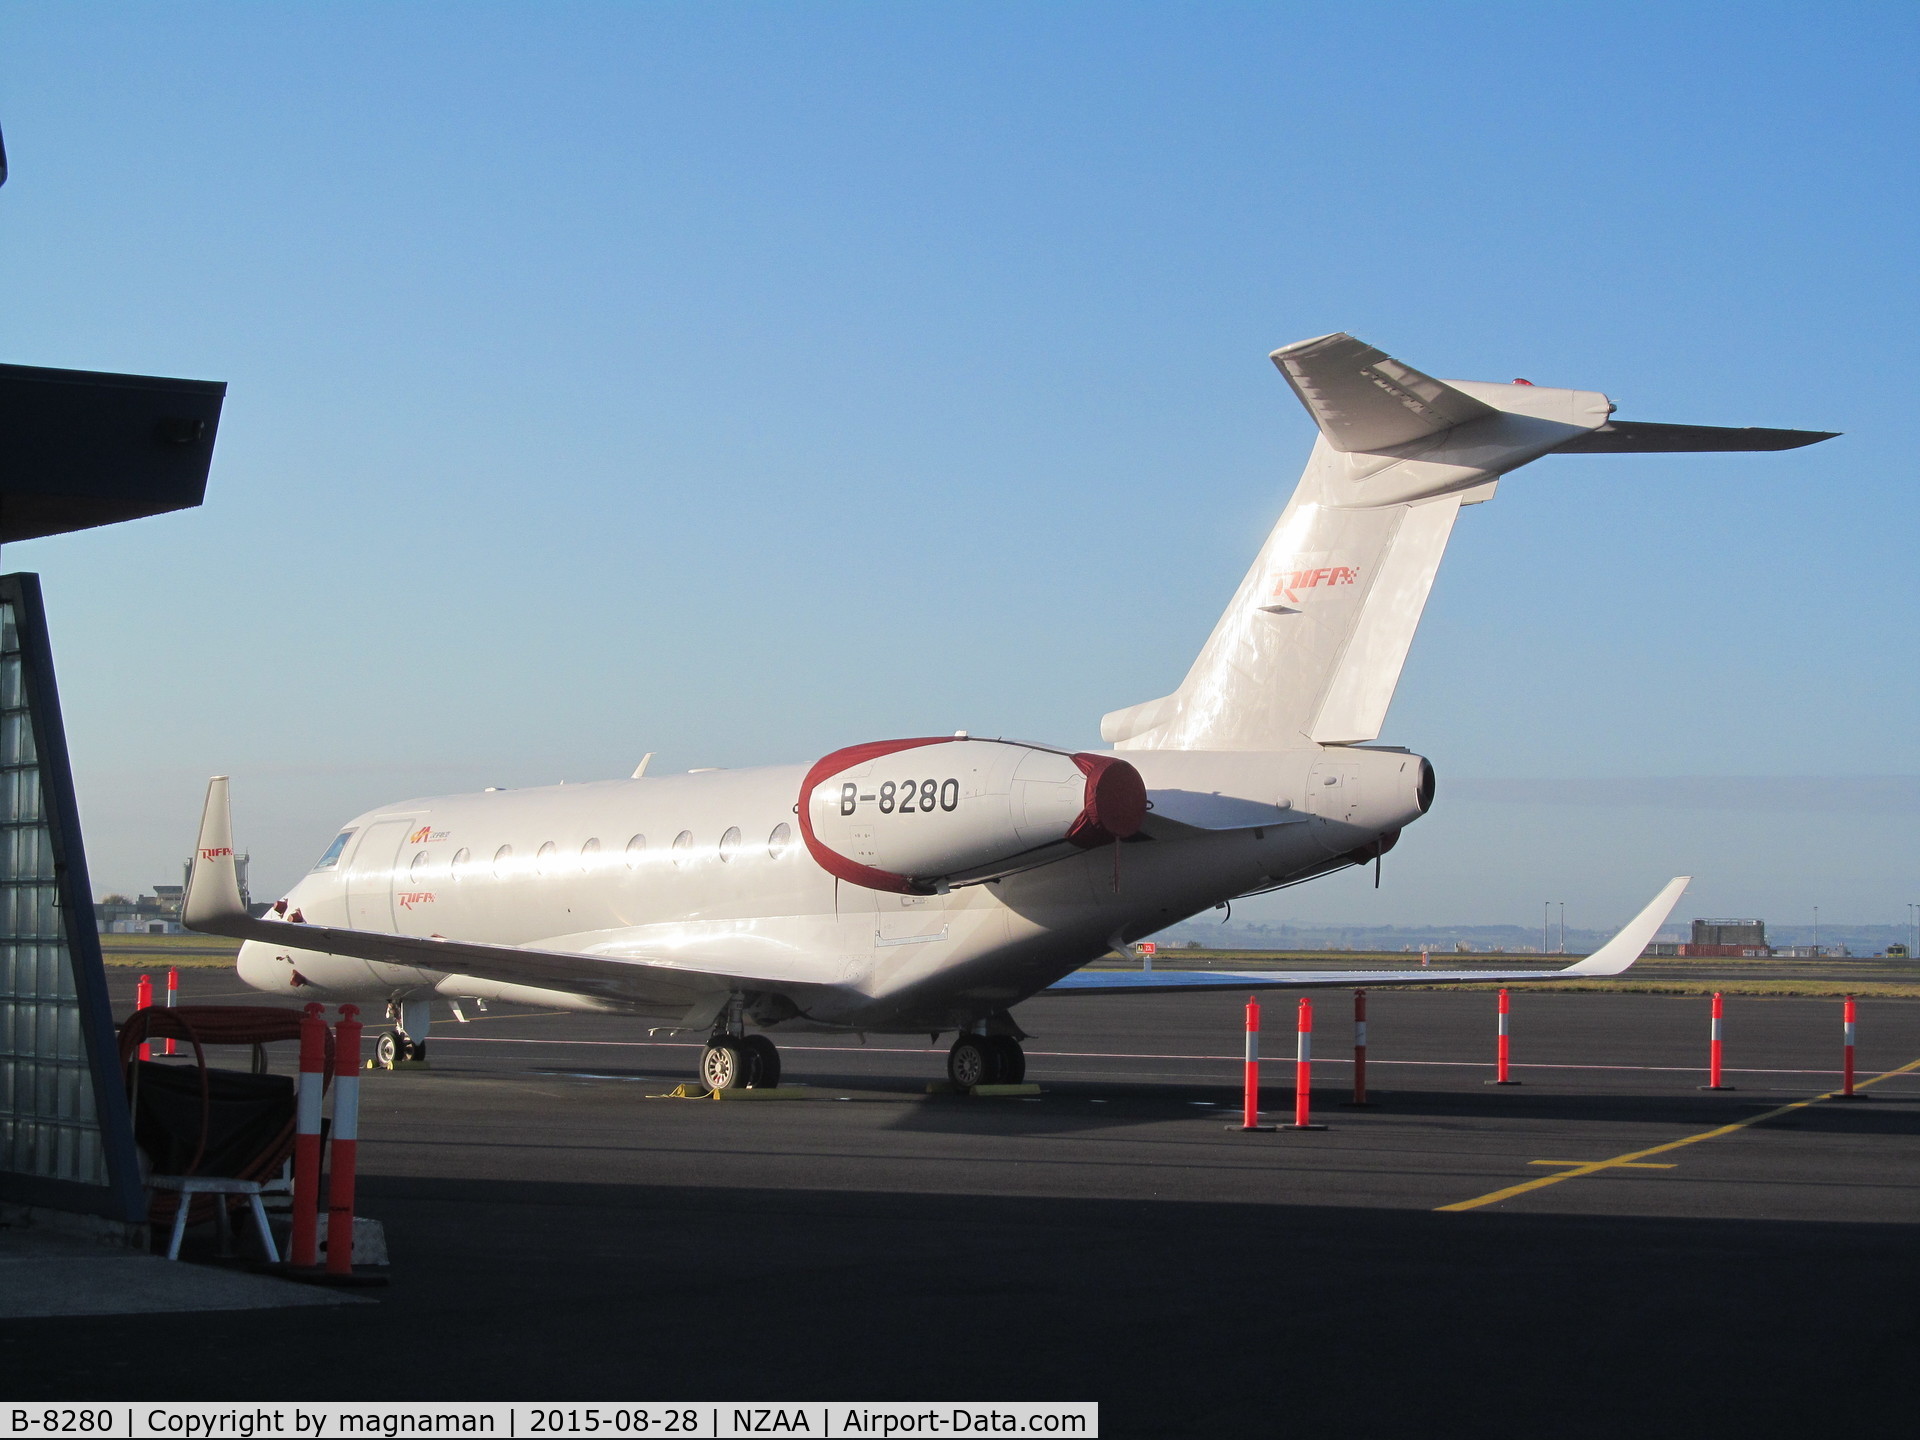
(304, 1253)
(344, 1143)
(1303, 1072)
(1250, 1096)
(143, 999)
(1847, 1018)
(1714, 1046)
(173, 992)
(1360, 1050)
(1503, 1054)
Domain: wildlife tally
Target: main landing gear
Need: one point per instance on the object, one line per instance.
(406, 1043)
(986, 1060)
(737, 1061)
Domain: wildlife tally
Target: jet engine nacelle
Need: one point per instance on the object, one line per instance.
(911, 816)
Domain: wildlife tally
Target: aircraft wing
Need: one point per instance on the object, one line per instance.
(213, 905)
(1612, 958)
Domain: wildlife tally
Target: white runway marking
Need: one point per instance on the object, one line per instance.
(1112, 1055)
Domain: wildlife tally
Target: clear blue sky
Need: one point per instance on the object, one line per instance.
(742, 381)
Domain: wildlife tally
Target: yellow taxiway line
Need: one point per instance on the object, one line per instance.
(1635, 1159)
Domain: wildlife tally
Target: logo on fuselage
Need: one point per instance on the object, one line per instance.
(426, 835)
(410, 898)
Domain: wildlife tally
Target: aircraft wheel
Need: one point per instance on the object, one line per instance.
(386, 1050)
(972, 1061)
(1013, 1060)
(725, 1065)
(764, 1055)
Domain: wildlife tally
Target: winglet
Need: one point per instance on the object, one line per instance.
(1626, 947)
(213, 889)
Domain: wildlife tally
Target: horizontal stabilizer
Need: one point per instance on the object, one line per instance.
(1647, 437)
(1364, 399)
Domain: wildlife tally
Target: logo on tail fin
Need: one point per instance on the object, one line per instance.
(1306, 572)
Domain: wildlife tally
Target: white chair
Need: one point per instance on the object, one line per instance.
(190, 1185)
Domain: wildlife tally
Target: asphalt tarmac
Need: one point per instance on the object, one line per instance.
(558, 1234)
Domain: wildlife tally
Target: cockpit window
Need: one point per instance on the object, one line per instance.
(332, 857)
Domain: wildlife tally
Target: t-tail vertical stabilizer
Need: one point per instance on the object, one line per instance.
(1312, 646)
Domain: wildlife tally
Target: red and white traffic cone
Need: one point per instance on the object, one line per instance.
(304, 1252)
(1359, 1101)
(344, 1143)
(1250, 1098)
(1502, 1071)
(1303, 1072)
(142, 1000)
(1714, 1044)
(173, 991)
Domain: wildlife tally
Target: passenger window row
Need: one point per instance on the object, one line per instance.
(546, 859)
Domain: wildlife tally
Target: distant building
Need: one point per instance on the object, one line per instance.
(146, 915)
(155, 914)
(1747, 933)
(1730, 939)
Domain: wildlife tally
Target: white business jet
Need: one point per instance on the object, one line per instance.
(928, 885)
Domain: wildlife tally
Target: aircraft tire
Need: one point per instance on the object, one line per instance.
(763, 1058)
(725, 1064)
(1013, 1060)
(973, 1060)
(386, 1050)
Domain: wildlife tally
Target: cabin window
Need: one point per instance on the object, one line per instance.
(502, 862)
(460, 858)
(543, 860)
(730, 842)
(778, 841)
(588, 855)
(636, 851)
(332, 857)
(682, 843)
(418, 866)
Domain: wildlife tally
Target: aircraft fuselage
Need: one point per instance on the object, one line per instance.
(708, 870)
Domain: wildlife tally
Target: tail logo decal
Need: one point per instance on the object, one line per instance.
(1301, 573)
